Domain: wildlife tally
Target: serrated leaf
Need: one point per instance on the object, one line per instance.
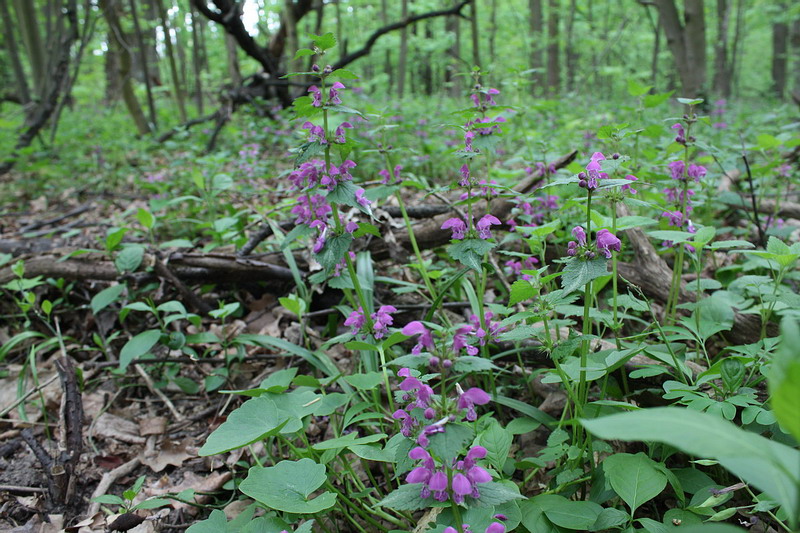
(471, 363)
(494, 493)
(334, 250)
(406, 498)
(470, 252)
(307, 151)
(497, 442)
(343, 74)
(323, 42)
(521, 290)
(577, 273)
(448, 444)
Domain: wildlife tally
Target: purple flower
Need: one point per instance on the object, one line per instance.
(351, 227)
(484, 226)
(382, 319)
(460, 341)
(334, 93)
(675, 217)
(323, 229)
(580, 235)
(681, 138)
(360, 199)
(316, 133)
(696, 172)
(464, 181)
(315, 92)
(340, 136)
(607, 241)
(469, 399)
(630, 177)
(677, 168)
(356, 321)
(457, 226)
(425, 339)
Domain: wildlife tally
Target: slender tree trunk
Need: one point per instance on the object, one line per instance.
(113, 88)
(173, 67)
(780, 48)
(492, 30)
(476, 47)
(536, 26)
(31, 38)
(695, 37)
(655, 26)
(427, 68)
(123, 59)
(16, 64)
(142, 49)
(152, 21)
(795, 41)
(197, 62)
(738, 38)
(387, 60)
(553, 61)
(401, 62)
(571, 50)
(291, 36)
(452, 25)
(231, 49)
(722, 67)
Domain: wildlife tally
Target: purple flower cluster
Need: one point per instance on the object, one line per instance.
(425, 338)
(534, 212)
(516, 267)
(679, 172)
(494, 527)
(333, 94)
(466, 476)
(492, 331)
(605, 243)
(381, 320)
(588, 179)
(386, 178)
(483, 226)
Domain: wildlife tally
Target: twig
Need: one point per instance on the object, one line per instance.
(753, 200)
(163, 271)
(74, 212)
(157, 392)
(20, 488)
(27, 395)
(108, 479)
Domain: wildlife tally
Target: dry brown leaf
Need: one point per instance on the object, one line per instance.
(191, 480)
(155, 425)
(168, 452)
(117, 428)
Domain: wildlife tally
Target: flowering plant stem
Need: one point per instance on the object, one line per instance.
(677, 269)
(456, 511)
(422, 268)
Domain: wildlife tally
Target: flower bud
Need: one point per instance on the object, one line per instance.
(582, 184)
(314, 68)
(615, 156)
(433, 362)
(447, 363)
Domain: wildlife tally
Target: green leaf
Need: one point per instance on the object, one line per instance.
(288, 485)
(303, 52)
(770, 466)
(671, 235)
(637, 89)
(406, 498)
(609, 518)
(655, 100)
(471, 363)
(365, 228)
(578, 273)
(470, 252)
(634, 478)
(343, 74)
(106, 297)
(580, 515)
(129, 258)
(493, 493)
(524, 408)
(533, 517)
(690, 101)
(334, 250)
(449, 444)
(521, 290)
(784, 379)
(254, 420)
(296, 233)
(497, 442)
(109, 499)
(138, 346)
(323, 42)
(366, 381)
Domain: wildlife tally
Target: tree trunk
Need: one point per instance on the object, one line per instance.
(233, 60)
(738, 38)
(123, 59)
(142, 48)
(493, 30)
(173, 67)
(24, 94)
(571, 50)
(291, 36)
(780, 38)
(536, 27)
(387, 60)
(31, 38)
(113, 86)
(687, 44)
(401, 62)
(695, 37)
(796, 56)
(476, 48)
(452, 24)
(553, 63)
(722, 66)
(197, 62)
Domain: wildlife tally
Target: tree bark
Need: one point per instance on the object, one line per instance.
(686, 42)
(722, 64)
(141, 47)
(402, 58)
(16, 64)
(173, 67)
(536, 27)
(31, 38)
(780, 47)
(795, 42)
(123, 64)
(387, 60)
(476, 43)
(553, 62)
(233, 60)
(291, 36)
(571, 50)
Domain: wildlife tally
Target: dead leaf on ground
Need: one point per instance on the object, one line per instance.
(155, 425)
(117, 428)
(191, 480)
(168, 452)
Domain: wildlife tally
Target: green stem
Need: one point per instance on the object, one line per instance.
(422, 269)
